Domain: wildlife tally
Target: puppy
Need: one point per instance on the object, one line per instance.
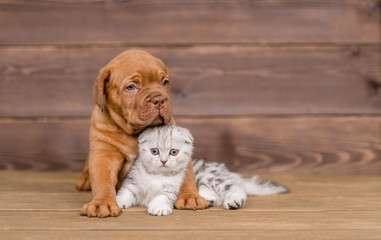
(132, 92)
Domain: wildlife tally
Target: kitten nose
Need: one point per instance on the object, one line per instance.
(163, 161)
(158, 101)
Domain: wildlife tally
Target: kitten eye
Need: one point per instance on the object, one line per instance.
(154, 151)
(174, 152)
(165, 83)
(131, 87)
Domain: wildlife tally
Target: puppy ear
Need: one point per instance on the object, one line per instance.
(187, 136)
(163, 66)
(99, 91)
(165, 69)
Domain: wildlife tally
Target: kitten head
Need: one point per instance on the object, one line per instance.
(165, 149)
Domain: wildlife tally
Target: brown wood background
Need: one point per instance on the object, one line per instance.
(266, 86)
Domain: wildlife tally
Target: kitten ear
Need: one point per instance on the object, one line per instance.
(141, 138)
(144, 135)
(188, 136)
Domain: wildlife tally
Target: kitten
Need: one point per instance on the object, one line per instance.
(157, 175)
(155, 178)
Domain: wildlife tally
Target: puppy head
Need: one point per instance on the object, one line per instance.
(134, 89)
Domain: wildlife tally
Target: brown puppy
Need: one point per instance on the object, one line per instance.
(131, 93)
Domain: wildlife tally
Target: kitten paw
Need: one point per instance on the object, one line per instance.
(125, 199)
(209, 195)
(211, 202)
(235, 200)
(160, 211)
(160, 206)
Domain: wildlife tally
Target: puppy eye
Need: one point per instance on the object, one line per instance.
(131, 87)
(154, 151)
(174, 152)
(165, 83)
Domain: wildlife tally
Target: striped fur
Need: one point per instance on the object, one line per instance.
(158, 173)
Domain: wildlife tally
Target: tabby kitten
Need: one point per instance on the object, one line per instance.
(158, 173)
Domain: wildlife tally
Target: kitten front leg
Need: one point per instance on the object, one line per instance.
(125, 198)
(160, 205)
(210, 195)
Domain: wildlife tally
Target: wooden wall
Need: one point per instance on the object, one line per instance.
(266, 86)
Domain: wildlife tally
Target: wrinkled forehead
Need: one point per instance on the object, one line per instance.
(138, 63)
(145, 74)
(135, 62)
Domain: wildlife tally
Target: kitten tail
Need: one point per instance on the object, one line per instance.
(253, 186)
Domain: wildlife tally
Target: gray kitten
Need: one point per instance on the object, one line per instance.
(155, 178)
(158, 173)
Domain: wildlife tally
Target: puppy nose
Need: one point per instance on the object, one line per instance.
(163, 161)
(158, 101)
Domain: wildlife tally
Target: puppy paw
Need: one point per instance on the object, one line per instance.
(159, 207)
(234, 200)
(101, 208)
(191, 202)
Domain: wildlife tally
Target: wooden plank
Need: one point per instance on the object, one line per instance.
(43, 145)
(295, 145)
(51, 191)
(26, 182)
(306, 202)
(262, 217)
(38, 182)
(63, 182)
(235, 80)
(186, 220)
(185, 22)
(329, 185)
(295, 234)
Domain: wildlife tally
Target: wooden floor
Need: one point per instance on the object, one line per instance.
(37, 205)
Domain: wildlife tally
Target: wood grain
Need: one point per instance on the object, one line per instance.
(187, 22)
(244, 74)
(207, 80)
(63, 182)
(42, 145)
(295, 145)
(299, 145)
(74, 201)
(185, 220)
(370, 234)
(318, 207)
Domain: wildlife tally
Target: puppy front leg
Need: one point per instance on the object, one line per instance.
(189, 197)
(83, 182)
(104, 166)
